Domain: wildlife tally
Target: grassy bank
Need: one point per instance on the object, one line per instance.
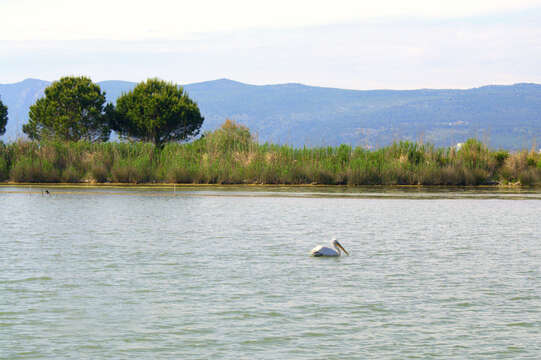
(230, 156)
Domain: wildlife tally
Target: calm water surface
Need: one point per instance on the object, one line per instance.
(210, 273)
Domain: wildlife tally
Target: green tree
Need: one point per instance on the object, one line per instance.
(157, 111)
(3, 118)
(72, 109)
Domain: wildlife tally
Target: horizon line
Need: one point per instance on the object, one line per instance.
(292, 83)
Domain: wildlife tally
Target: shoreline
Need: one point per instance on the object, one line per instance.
(386, 192)
(186, 185)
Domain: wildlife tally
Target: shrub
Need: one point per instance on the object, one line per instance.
(529, 177)
(28, 169)
(72, 174)
(4, 169)
(180, 175)
(99, 173)
(500, 157)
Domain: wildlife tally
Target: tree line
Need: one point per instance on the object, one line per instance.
(75, 108)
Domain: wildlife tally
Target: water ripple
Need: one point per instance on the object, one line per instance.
(226, 274)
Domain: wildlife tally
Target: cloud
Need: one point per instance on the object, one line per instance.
(401, 55)
(173, 19)
(366, 47)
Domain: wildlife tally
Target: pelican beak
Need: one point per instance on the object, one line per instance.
(341, 247)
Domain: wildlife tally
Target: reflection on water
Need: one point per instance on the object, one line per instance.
(190, 272)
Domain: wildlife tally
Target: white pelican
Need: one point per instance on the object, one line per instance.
(325, 251)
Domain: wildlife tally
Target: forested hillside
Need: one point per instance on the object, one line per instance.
(295, 114)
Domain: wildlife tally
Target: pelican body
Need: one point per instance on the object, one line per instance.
(326, 251)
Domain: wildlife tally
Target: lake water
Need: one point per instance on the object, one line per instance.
(214, 273)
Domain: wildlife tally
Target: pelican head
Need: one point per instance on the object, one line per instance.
(335, 243)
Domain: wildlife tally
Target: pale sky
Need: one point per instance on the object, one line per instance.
(348, 44)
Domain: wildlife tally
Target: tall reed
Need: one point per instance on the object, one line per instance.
(230, 155)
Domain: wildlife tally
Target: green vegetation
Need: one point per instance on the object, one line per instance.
(229, 155)
(3, 117)
(72, 109)
(157, 111)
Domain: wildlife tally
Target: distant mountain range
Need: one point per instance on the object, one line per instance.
(296, 114)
